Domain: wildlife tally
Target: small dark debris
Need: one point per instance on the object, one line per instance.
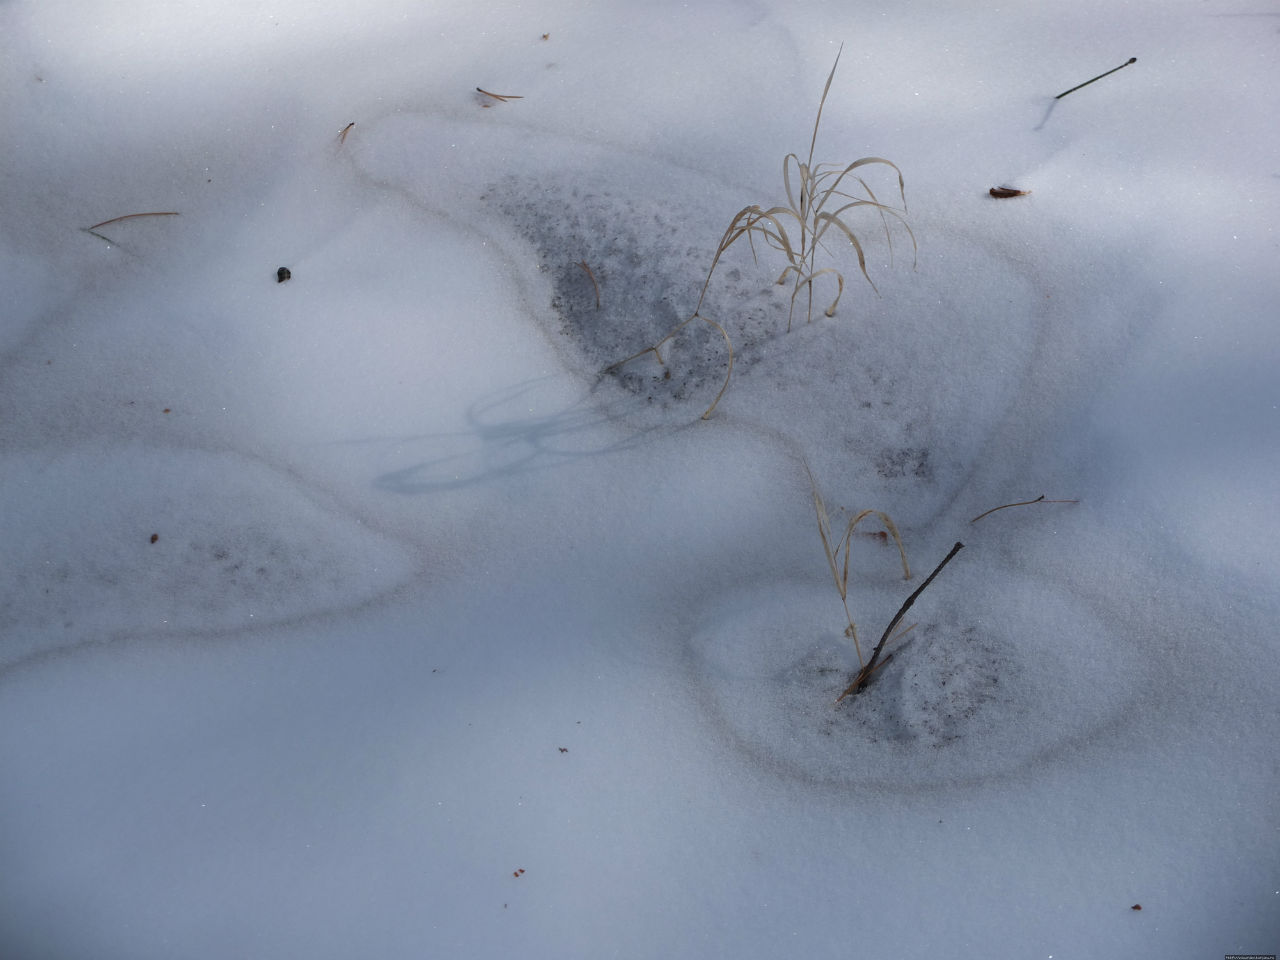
(563, 749)
(891, 463)
(283, 274)
(1136, 906)
(167, 410)
(518, 872)
(155, 537)
(1003, 193)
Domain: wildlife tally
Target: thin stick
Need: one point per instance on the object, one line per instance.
(1020, 503)
(130, 216)
(888, 657)
(342, 137)
(1098, 77)
(583, 265)
(504, 97)
(865, 673)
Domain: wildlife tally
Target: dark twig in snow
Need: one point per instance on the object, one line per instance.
(865, 673)
(1098, 77)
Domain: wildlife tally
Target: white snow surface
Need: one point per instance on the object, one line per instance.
(370, 614)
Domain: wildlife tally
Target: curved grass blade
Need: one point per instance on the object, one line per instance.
(132, 216)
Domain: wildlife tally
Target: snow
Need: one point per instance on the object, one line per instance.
(366, 614)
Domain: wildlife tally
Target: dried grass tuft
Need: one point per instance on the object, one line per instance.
(819, 206)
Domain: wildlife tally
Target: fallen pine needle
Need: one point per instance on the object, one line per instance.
(1020, 503)
(583, 265)
(504, 97)
(342, 137)
(131, 216)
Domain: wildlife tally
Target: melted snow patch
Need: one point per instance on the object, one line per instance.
(101, 543)
(968, 696)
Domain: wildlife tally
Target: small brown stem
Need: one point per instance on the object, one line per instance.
(342, 137)
(504, 97)
(1020, 503)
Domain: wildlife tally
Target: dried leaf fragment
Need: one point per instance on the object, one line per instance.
(1001, 193)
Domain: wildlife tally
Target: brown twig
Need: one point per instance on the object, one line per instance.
(1000, 193)
(130, 216)
(583, 265)
(865, 673)
(342, 137)
(504, 97)
(1020, 503)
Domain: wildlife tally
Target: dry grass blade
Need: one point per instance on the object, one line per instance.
(841, 582)
(584, 266)
(840, 567)
(342, 135)
(132, 216)
(826, 88)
